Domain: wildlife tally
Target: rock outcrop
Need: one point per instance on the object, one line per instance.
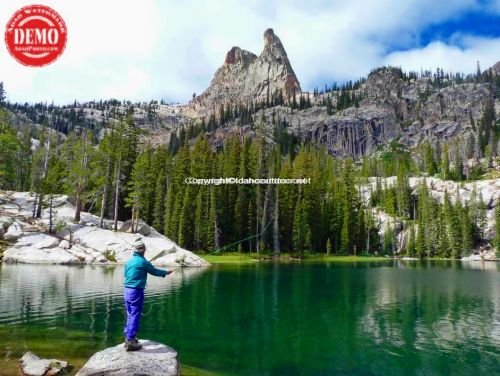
(487, 190)
(32, 365)
(394, 110)
(77, 243)
(245, 77)
(495, 69)
(484, 253)
(154, 359)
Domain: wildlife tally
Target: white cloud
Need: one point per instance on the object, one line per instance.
(449, 57)
(170, 49)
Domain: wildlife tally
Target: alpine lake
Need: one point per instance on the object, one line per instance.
(390, 317)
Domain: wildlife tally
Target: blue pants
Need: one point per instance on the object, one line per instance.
(134, 301)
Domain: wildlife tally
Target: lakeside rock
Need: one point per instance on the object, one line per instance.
(484, 253)
(29, 240)
(33, 365)
(154, 359)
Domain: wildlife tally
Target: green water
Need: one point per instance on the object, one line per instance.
(385, 318)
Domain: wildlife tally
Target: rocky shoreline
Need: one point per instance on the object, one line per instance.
(27, 239)
(154, 359)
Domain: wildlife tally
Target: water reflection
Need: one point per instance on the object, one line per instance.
(390, 318)
(42, 291)
(427, 314)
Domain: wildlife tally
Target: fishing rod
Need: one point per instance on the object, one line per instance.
(163, 253)
(181, 261)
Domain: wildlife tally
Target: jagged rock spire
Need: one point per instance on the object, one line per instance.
(244, 77)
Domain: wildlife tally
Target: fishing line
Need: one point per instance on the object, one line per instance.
(150, 308)
(157, 303)
(241, 241)
(218, 250)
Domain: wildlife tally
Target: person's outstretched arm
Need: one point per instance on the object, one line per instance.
(155, 271)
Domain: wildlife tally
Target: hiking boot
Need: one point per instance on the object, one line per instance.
(132, 345)
(134, 340)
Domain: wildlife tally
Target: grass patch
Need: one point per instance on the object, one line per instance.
(492, 174)
(337, 258)
(231, 258)
(242, 258)
(110, 255)
(193, 371)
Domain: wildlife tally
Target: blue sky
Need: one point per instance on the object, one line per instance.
(475, 22)
(152, 49)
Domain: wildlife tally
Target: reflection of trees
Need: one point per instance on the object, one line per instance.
(401, 318)
(267, 318)
(45, 292)
(424, 314)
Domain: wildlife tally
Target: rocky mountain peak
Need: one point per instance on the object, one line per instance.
(273, 47)
(245, 77)
(238, 56)
(269, 37)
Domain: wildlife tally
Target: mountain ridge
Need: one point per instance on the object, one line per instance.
(354, 120)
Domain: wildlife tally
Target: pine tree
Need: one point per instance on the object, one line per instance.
(287, 201)
(79, 154)
(388, 240)
(420, 242)
(360, 245)
(403, 194)
(159, 201)
(103, 165)
(53, 184)
(497, 230)
(301, 229)
(213, 239)
(11, 157)
(467, 232)
(2, 94)
(186, 219)
(124, 146)
(198, 235)
(445, 163)
(486, 123)
(161, 168)
(244, 197)
(482, 220)
(442, 248)
(345, 235)
(141, 189)
(429, 162)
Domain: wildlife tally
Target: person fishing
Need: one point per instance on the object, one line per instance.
(136, 273)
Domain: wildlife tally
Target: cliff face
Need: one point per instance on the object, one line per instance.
(245, 77)
(397, 110)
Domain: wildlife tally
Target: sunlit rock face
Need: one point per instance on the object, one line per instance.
(245, 77)
(78, 243)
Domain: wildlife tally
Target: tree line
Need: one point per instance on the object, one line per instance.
(120, 178)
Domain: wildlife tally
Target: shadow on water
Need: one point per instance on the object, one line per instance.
(386, 318)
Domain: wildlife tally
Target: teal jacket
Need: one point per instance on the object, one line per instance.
(137, 269)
